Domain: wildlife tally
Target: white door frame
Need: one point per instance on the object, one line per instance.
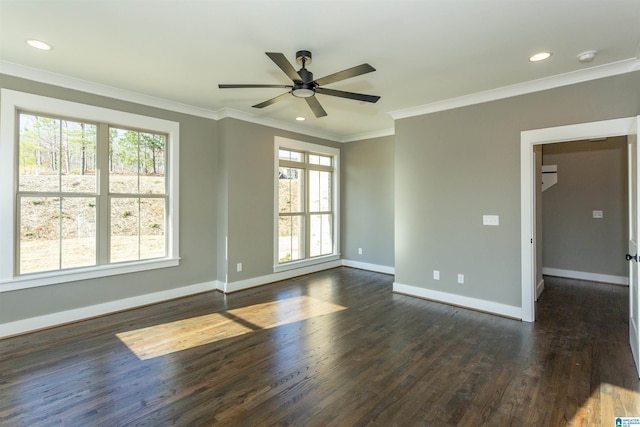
(529, 138)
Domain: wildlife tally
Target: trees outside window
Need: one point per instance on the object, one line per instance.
(59, 196)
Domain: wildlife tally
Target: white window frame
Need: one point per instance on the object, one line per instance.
(13, 101)
(307, 147)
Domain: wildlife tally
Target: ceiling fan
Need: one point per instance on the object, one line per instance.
(304, 86)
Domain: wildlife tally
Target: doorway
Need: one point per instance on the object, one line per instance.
(583, 131)
(582, 218)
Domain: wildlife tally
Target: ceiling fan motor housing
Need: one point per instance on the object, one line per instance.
(303, 56)
(306, 88)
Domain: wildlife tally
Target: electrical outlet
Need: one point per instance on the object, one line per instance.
(436, 275)
(359, 251)
(239, 267)
(460, 278)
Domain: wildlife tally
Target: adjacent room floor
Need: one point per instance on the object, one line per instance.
(335, 348)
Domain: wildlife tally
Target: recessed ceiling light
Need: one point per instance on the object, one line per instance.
(39, 44)
(540, 56)
(300, 119)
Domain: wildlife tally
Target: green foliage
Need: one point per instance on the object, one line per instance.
(154, 225)
(126, 213)
(53, 146)
(285, 258)
(134, 152)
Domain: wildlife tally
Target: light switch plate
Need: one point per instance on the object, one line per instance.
(598, 214)
(490, 220)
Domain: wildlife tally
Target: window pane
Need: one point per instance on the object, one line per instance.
(123, 161)
(316, 159)
(293, 156)
(290, 238)
(78, 237)
(321, 235)
(152, 225)
(78, 157)
(39, 234)
(39, 147)
(137, 229)
(151, 163)
(56, 155)
(291, 190)
(319, 191)
(125, 229)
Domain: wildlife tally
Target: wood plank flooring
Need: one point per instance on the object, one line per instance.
(335, 348)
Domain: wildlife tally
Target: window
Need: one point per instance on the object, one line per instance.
(85, 191)
(307, 194)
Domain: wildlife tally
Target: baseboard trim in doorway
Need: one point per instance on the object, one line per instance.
(539, 289)
(583, 275)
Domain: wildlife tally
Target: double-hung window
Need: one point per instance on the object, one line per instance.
(307, 203)
(86, 191)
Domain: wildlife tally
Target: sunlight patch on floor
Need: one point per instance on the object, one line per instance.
(607, 403)
(166, 338)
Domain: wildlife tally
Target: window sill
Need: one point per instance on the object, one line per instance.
(305, 263)
(72, 275)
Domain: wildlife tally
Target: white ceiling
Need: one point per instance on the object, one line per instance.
(424, 51)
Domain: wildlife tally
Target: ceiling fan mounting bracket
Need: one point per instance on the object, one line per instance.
(303, 55)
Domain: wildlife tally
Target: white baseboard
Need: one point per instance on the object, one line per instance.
(275, 277)
(68, 316)
(582, 275)
(539, 289)
(369, 267)
(59, 318)
(459, 300)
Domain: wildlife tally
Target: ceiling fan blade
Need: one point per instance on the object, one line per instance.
(272, 100)
(345, 74)
(348, 95)
(281, 61)
(239, 86)
(316, 107)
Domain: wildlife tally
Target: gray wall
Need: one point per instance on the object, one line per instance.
(454, 166)
(367, 201)
(198, 183)
(591, 176)
(248, 208)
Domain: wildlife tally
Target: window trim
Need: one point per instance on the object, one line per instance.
(10, 103)
(295, 145)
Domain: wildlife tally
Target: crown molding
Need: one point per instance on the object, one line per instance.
(616, 68)
(593, 73)
(68, 82)
(368, 135)
(74, 83)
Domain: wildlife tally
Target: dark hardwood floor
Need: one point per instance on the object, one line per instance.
(335, 348)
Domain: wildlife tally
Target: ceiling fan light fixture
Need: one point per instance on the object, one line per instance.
(303, 92)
